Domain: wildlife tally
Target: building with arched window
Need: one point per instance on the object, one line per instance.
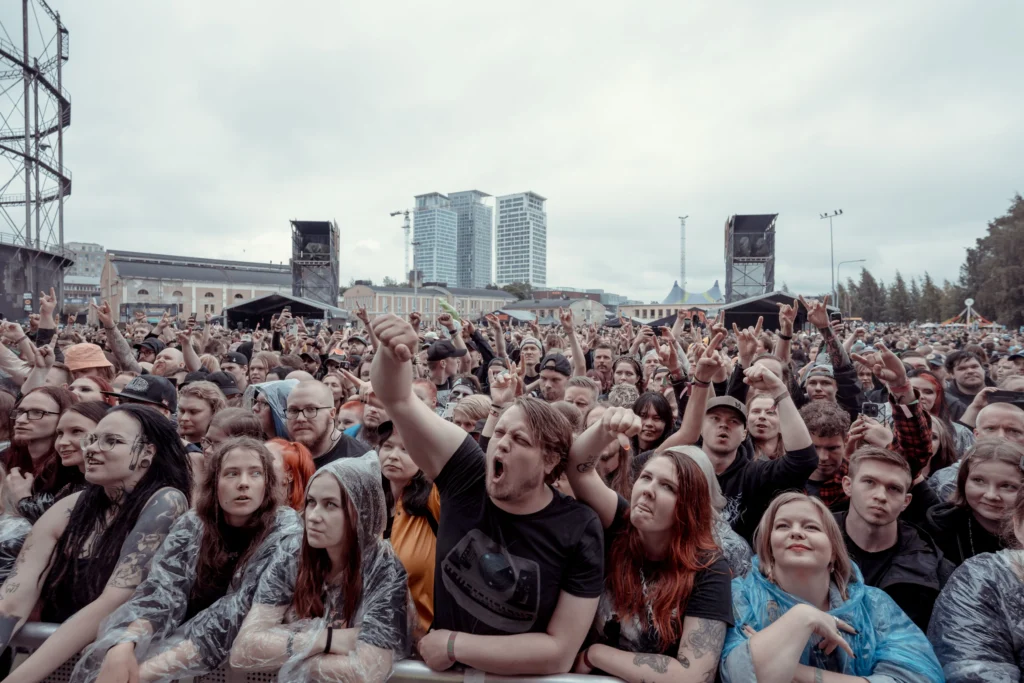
(183, 285)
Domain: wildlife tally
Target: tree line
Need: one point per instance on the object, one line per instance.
(992, 274)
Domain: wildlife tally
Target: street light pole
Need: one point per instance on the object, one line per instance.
(832, 243)
(841, 264)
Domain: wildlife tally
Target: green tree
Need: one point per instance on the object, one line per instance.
(929, 309)
(915, 299)
(952, 300)
(521, 290)
(870, 297)
(390, 282)
(993, 270)
(897, 308)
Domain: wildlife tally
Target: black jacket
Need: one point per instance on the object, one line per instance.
(749, 485)
(916, 573)
(958, 534)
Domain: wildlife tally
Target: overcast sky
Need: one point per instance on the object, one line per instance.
(201, 128)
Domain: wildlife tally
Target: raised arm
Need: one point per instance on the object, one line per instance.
(579, 362)
(115, 340)
(500, 349)
(586, 483)
(432, 440)
(791, 426)
(188, 352)
(137, 552)
(708, 365)
(787, 321)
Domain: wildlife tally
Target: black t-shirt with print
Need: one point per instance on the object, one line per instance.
(499, 573)
(345, 447)
(710, 598)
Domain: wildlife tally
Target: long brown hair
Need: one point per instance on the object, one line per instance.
(315, 565)
(691, 549)
(213, 555)
(50, 475)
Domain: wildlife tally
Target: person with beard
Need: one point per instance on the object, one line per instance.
(443, 365)
(967, 376)
(718, 426)
(892, 554)
(35, 473)
(169, 363)
(555, 371)
(503, 532)
(373, 417)
(604, 354)
(310, 418)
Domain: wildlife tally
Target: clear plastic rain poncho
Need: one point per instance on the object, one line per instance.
(274, 638)
(152, 618)
(276, 395)
(13, 530)
(888, 644)
(977, 626)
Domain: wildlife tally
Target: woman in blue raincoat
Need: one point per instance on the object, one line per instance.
(803, 613)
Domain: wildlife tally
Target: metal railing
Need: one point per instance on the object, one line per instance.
(34, 634)
(19, 241)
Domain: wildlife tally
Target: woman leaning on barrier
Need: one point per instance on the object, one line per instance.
(182, 619)
(87, 554)
(666, 604)
(348, 617)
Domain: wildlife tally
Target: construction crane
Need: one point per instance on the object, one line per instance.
(407, 227)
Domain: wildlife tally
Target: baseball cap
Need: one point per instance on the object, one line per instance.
(151, 343)
(727, 402)
(149, 389)
(443, 349)
(532, 340)
(337, 357)
(357, 338)
(556, 362)
(234, 357)
(936, 360)
(226, 382)
(1015, 355)
(819, 371)
(82, 356)
(306, 355)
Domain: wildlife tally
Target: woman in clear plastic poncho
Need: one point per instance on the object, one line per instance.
(182, 620)
(803, 612)
(977, 626)
(87, 554)
(348, 612)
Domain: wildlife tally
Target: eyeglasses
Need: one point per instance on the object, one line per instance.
(207, 444)
(31, 413)
(103, 442)
(309, 412)
(260, 405)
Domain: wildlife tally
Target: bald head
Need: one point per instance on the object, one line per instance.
(168, 363)
(310, 388)
(302, 376)
(1001, 421)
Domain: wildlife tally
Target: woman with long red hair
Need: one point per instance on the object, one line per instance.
(949, 410)
(348, 617)
(293, 464)
(666, 604)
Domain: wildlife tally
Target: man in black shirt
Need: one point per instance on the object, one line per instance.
(967, 376)
(719, 427)
(515, 558)
(892, 554)
(310, 419)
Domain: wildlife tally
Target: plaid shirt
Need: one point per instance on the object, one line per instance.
(912, 438)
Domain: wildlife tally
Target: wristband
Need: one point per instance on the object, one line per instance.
(586, 660)
(19, 339)
(780, 398)
(330, 636)
(451, 646)
(785, 337)
(700, 383)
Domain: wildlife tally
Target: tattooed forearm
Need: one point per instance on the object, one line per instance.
(145, 539)
(122, 351)
(585, 467)
(707, 637)
(657, 662)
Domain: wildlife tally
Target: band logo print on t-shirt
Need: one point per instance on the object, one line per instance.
(500, 589)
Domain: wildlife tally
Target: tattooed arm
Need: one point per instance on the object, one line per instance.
(20, 592)
(121, 349)
(614, 427)
(697, 661)
(138, 549)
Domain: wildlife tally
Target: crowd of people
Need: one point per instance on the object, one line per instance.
(693, 503)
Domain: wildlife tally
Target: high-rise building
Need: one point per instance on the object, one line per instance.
(435, 236)
(476, 237)
(522, 239)
(89, 258)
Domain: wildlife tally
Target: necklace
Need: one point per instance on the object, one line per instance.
(970, 534)
(647, 601)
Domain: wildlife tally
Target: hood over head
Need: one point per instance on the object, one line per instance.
(276, 394)
(360, 478)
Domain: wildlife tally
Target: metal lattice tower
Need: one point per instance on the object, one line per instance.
(749, 256)
(315, 251)
(34, 111)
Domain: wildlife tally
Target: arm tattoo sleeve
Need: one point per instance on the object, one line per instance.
(122, 351)
(657, 662)
(836, 352)
(708, 637)
(146, 537)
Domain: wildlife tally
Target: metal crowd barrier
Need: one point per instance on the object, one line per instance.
(32, 635)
